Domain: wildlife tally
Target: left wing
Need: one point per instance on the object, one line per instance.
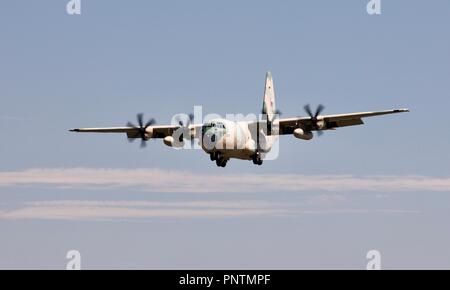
(328, 122)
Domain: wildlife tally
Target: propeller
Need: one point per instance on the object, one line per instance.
(142, 128)
(314, 116)
(185, 123)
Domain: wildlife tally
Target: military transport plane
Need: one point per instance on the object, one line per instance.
(225, 139)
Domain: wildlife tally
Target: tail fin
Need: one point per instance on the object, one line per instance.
(269, 98)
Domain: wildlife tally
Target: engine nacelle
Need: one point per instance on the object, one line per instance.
(171, 142)
(301, 134)
(149, 133)
(321, 124)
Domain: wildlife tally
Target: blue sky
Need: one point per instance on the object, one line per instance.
(163, 57)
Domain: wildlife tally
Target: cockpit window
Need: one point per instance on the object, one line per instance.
(217, 127)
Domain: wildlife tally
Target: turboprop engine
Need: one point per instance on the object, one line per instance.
(301, 134)
(171, 142)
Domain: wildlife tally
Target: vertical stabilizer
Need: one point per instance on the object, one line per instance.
(269, 98)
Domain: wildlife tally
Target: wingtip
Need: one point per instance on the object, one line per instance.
(74, 130)
(401, 110)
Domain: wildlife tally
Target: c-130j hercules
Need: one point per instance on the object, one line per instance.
(224, 139)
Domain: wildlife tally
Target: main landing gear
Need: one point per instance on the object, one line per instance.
(220, 160)
(257, 159)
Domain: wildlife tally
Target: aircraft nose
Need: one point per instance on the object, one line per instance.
(210, 140)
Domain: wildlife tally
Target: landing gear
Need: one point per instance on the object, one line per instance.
(257, 159)
(214, 156)
(220, 160)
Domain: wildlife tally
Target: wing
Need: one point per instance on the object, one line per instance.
(329, 122)
(160, 131)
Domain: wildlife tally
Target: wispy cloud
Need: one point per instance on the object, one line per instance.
(95, 210)
(157, 180)
(109, 210)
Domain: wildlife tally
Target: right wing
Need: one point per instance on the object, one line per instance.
(160, 131)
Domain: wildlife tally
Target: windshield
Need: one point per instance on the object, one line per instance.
(217, 128)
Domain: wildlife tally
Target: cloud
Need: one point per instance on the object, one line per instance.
(98, 210)
(157, 180)
(124, 209)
